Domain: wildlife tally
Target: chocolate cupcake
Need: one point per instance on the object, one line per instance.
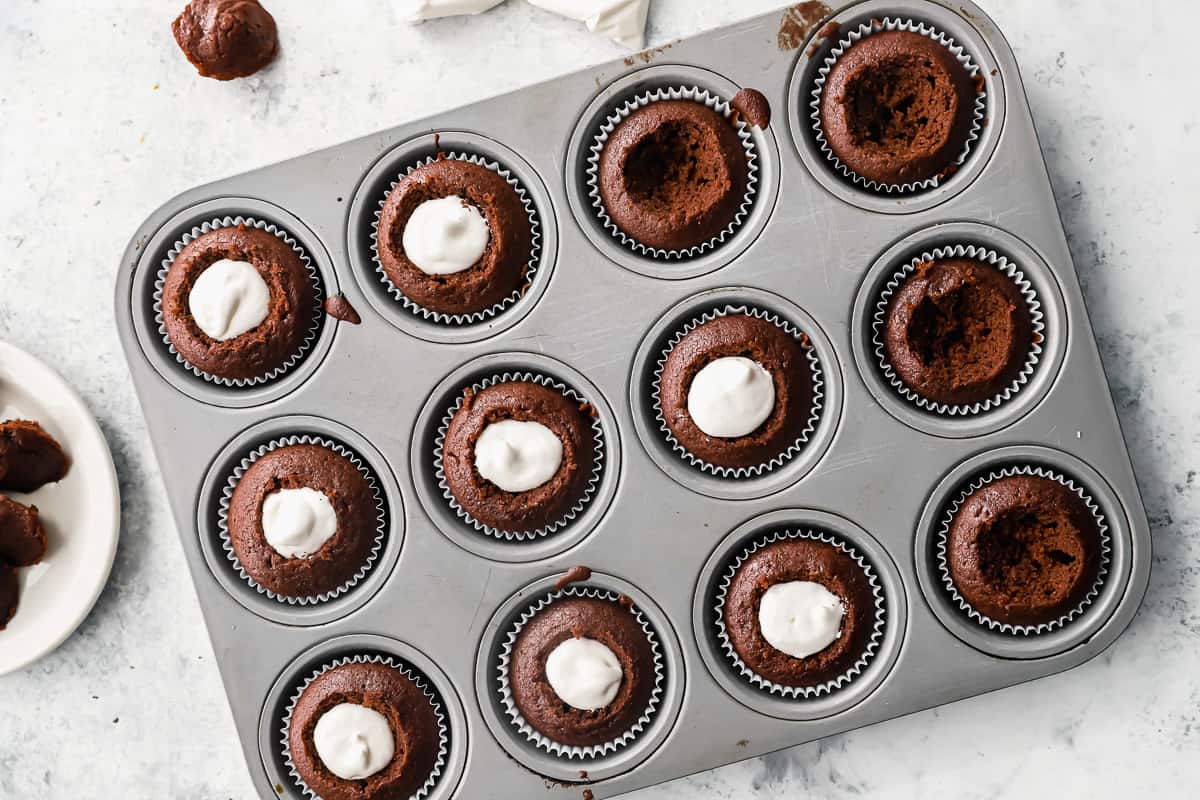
(1024, 551)
(957, 332)
(581, 673)
(29, 457)
(456, 238)
(738, 392)
(22, 535)
(302, 520)
(897, 105)
(519, 456)
(799, 614)
(239, 301)
(672, 174)
(10, 594)
(365, 729)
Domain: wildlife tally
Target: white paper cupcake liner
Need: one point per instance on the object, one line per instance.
(696, 95)
(1004, 627)
(814, 417)
(227, 496)
(572, 513)
(412, 675)
(535, 245)
(1038, 326)
(541, 741)
(232, 222)
(800, 692)
(850, 38)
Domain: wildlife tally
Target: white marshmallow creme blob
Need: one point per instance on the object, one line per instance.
(229, 298)
(445, 236)
(518, 455)
(800, 618)
(731, 397)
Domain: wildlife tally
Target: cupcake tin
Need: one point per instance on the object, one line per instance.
(814, 249)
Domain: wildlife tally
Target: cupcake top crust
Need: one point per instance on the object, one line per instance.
(517, 455)
(582, 671)
(29, 457)
(957, 331)
(673, 174)
(303, 520)
(364, 731)
(22, 535)
(897, 107)
(799, 612)
(1024, 550)
(737, 391)
(454, 237)
(238, 303)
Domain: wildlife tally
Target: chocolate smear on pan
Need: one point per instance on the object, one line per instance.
(798, 22)
(338, 307)
(573, 575)
(753, 106)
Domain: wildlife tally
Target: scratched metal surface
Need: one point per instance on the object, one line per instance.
(372, 381)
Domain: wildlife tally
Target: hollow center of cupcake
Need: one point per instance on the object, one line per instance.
(518, 455)
(297, 522)
(678, 165)
(1029, 554)
(800, 618)
(964, 330)
(445, 235)
(731, 397)
(904, 101)
(229, 298)
(353, 741)
(584, 673)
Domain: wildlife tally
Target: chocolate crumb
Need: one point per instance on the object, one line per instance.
(573, 575)
(226, 39)
(625, 601)
(587, 795)
(798, 22)
(338, 307)
(583, 774)
(753, 106)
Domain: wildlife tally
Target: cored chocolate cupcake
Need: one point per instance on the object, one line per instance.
(800, 613)
(582, 673)
(1024, 549)
(897, 106)
(22, 536)
(303, 521)
(366, 729)
(738, 391)
(455, 237)
(238, 302)
(10, 594)
(519, 456)
(29, 457)
(673, 174)
(957, 332)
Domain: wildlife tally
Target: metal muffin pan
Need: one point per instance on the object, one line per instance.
(877, 472)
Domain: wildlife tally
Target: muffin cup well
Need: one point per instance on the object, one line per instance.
(845, 43)
(1034, 305)
(535, 240)
(943, 566)
(231, 222)
(541, 741)
(412, 675)
(589, 490)
(696, 95)
(227, 496)
(814, 416)
(799, 692)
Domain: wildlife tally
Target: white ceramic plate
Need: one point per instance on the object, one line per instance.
(82, 512)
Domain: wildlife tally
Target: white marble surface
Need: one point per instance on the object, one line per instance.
(101, 119)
